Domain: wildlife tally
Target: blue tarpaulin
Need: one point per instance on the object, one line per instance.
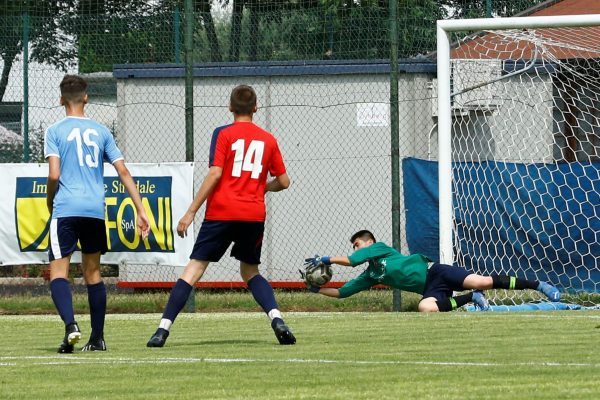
(542, 220)
(543, 306)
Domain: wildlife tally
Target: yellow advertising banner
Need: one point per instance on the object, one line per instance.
(166, 192)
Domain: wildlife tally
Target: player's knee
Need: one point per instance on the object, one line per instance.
(248, 271)
(428, 306)
(92, 277)
(194, 271)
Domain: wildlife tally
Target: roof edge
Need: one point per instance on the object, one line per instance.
(275, 68)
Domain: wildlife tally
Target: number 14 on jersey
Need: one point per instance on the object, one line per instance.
(250, 161)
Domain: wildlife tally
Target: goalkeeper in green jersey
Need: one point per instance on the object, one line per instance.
(416, 273)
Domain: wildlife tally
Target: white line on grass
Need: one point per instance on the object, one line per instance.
(563, 314)
(75, 360)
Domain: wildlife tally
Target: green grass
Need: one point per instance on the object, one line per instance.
(373, 355)
(210, 301)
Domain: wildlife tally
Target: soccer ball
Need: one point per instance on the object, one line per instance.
(319, 275)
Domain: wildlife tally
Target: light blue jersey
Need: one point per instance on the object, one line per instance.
(82, 145)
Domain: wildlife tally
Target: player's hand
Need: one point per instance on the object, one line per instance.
(184, 224)
(316, 260)
(143, 224)
(312, 288)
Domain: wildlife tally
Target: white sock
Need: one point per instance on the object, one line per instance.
(274, 313)
(165, 324)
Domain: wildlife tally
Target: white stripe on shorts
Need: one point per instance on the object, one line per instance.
(54, 239)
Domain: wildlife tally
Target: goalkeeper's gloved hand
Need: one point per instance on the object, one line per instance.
(316, 260)
(312, 288)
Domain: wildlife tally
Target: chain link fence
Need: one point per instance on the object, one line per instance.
(322, 74)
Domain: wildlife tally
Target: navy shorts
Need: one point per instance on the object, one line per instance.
(443, 279)
(66, 232)
(215, 237)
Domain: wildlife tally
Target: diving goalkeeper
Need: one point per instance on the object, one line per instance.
(416, 273)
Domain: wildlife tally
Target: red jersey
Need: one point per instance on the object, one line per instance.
(246, 153)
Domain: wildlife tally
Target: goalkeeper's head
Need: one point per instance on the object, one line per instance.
(362, 238)
(73, 91)
(243, 100)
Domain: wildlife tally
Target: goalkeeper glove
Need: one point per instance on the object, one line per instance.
(312, 288)
(316, 260)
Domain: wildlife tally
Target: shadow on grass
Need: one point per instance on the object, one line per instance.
(210, 343)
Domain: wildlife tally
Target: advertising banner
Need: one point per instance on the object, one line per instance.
(166, 191)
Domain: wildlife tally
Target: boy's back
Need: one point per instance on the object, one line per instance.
(82, 145)
(247, 154)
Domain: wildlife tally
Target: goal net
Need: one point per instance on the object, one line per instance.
(519, 150)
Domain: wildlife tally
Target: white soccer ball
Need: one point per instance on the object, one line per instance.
(319, 275)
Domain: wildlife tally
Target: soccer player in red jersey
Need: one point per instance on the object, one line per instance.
(241, 156)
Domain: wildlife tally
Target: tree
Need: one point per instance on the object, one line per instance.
(203, 7)
(112, 32)
(48, 43)
(477, 8)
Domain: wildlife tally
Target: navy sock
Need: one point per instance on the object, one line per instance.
(60, 290)
(97, 302)
(179, 295)
(263, 293)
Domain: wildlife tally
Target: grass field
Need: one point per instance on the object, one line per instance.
(211, 301)
(338, 356)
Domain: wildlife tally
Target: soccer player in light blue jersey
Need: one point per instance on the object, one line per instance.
(76, 148)
(416, 273)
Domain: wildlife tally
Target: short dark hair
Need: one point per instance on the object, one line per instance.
(73, 88)
(243, 100)
(364, 235)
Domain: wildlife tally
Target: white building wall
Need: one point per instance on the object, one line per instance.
(339, 164)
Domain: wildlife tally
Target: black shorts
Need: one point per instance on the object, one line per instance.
(215, 237)
(443, 279)
(66, 232)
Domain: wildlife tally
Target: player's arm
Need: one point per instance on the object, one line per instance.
(52, 183)
(329, 292)
(339, 260)
(360, 256)
(358, 284)
(209, 183)
(278, 170)
(125, 176)
(278, 183)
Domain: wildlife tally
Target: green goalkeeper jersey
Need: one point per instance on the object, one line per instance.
(389, 267)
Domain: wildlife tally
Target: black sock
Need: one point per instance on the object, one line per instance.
(513, 283)
(463, 299)
(452, 303)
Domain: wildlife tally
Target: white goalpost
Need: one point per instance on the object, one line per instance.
(519, 148)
